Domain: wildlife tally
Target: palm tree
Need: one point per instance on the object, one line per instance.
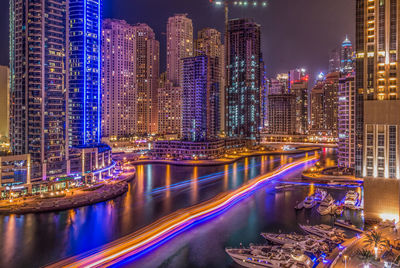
(365, 256)
(376, 240)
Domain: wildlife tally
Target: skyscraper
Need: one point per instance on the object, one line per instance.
(146, 73)
(179, 46)
(298, 86)
(37, 86)
(346, 57)
(4, 101)
(209, 43)
(378, 104)
(84, 95)
(346, 122)
(317, 108)
(201, 93)
(244, 83)
(334, 60)
(119, 95)
(169, 107)
(330, 111)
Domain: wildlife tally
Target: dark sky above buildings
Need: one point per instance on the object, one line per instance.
(295, 33)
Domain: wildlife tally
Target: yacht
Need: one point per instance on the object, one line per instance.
(306, 243)
(267, 256)
(310, 202)
(299, 205)
(327, 205)
(325, 231)
(351, 199)
(320, 195)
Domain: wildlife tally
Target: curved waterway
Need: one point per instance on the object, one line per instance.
(37, 240)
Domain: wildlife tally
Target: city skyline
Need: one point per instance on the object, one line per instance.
(317, 34)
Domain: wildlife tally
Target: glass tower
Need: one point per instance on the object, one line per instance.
(84, 96)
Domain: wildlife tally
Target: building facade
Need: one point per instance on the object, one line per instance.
(281, 114)
(244, 84)
(147, 58)
(347, 57)
(298, 86)
(377, 86)
(84, 78)
(37, 89)
(179, 46)
(330, 103)
(209, 43)
(346, 122)
(4, 101)
(201, 98)
(169, 107)
(118, 110)
(317, 107)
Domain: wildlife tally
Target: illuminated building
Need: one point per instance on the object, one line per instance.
(209, 43)
(37, 86)
(201, 93)
(4, 101)
(346, 121)
(346, 57)
(169, 107)
(378, 105)
(146, 73)
(179, 46)
(330, 111)
(317, 108)
(55, 88)
(118, 82)
(281, 107)
(298, 86)
(84, 96)
(264, 99)
(244, 84)
(334, 60)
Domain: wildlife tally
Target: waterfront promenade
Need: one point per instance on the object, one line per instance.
(70, 198)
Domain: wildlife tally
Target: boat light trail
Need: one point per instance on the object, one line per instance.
(164, 229)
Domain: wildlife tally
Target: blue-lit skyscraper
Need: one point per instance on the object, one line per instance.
(201, 98)
(243, 96)
(84, 96)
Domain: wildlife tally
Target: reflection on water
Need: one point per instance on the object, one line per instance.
(37, 240)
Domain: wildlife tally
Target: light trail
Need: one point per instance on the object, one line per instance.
(161, 231)
(203, 179)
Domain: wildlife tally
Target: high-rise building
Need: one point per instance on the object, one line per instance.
(201, 93)
(169, 107)
(209, 43)
(378, 105)
(334, 60)
(346, 57)
(331, 89)
(244, 83)
(317, 108)
(118, 82)
(147, 59)
(346, 121)
(84, 83)
(298, 86)
(179, 46)
(264, 99)
(281, 114)
(4, 101)
(37, 86)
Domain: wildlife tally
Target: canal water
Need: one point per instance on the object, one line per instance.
(36, 240)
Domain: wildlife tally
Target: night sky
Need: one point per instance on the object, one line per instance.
(295, 33)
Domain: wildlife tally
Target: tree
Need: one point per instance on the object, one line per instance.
(376, 240)
(365, 256)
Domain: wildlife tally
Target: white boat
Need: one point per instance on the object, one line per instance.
(325, 231)
(305, 243)
(348, 225)
(266, 256)
(351, 199)
(310, 202)
(320, 195)
(327, 205)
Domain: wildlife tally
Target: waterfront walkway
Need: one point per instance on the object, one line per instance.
(68, 199)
